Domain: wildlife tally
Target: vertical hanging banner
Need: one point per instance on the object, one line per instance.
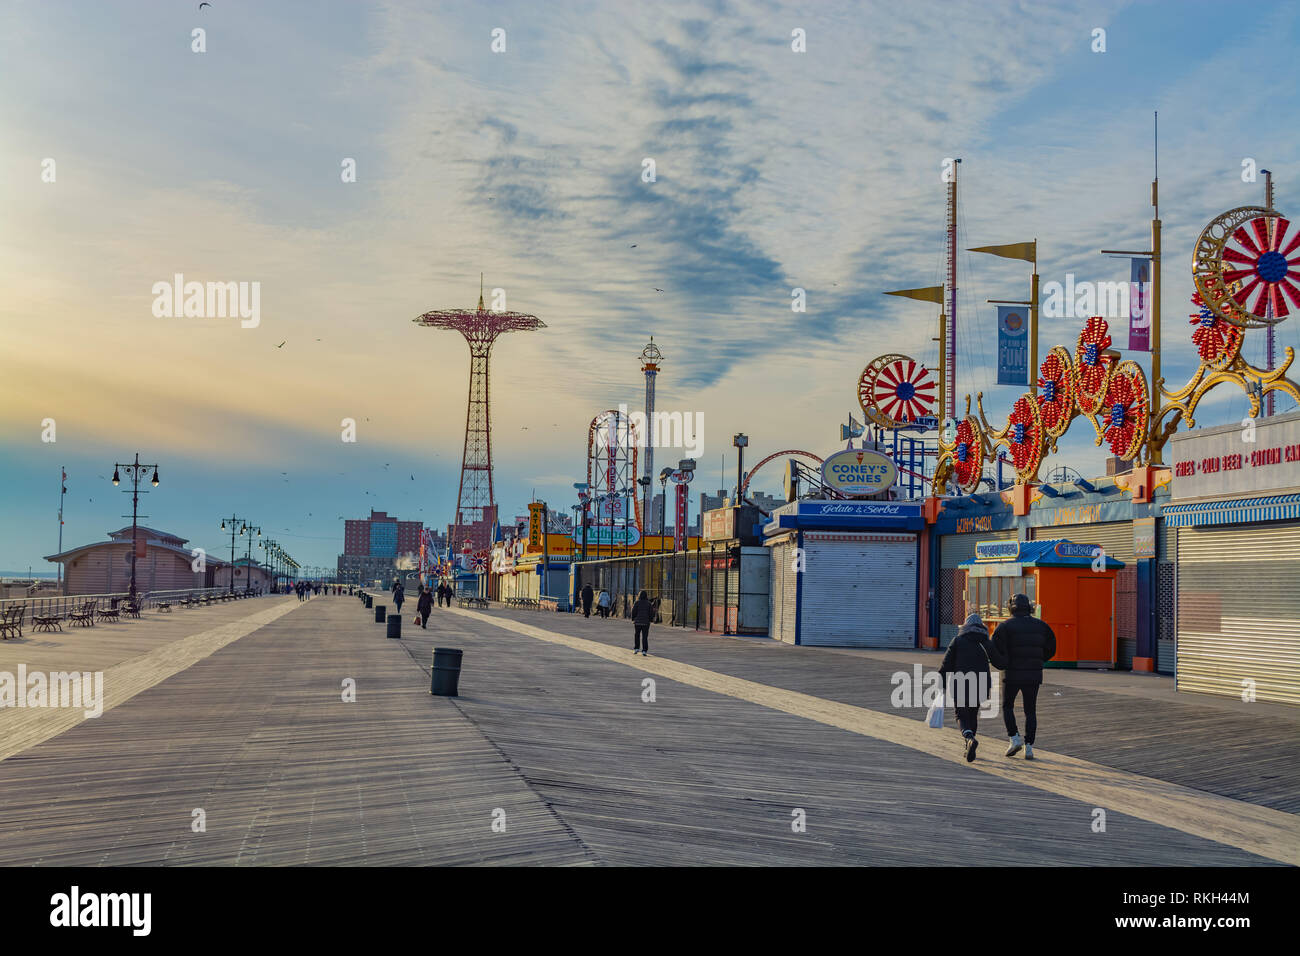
(534, 526)
(1013, 345)
(1139, 306)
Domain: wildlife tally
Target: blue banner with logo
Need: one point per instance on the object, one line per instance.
(1013, 345)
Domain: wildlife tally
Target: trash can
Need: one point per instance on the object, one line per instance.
(370, 600)
(446, 671)
(395, 625)
(379, 613)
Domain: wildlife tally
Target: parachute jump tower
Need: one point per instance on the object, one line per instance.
(476, 501)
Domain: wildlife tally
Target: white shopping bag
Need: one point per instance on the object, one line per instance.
(935, 715)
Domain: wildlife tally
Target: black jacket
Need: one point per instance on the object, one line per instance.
(399, 595)
(1027, 643)
(971, 653)
(425, 604)
(587, 594)
(642, 611)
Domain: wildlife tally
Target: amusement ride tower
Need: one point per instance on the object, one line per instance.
(650, 359)
(475, 501)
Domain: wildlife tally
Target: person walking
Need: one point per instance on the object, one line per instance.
(1027, 643)
(399, 595)
(642, 611)
(587, 595)
(603, 603)
(424, 604)
(967, 662)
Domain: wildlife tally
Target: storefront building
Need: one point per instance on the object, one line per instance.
(846, 573)
(1235, 515)
(1121, 514)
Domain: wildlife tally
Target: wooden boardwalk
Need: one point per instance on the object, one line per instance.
(258, 737)
(558, 736)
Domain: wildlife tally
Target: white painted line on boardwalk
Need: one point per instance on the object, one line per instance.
(1269, 833)
(23, 728)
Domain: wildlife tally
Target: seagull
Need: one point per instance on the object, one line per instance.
(659, 290)
(633, 246)
(202, 5)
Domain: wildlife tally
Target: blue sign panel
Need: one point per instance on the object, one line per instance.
(997, 550)
(1013, 345)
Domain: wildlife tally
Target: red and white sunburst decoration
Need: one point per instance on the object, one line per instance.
(1126, 410)
(898, 389)
(1056, 392)
(968, 455)
(1264, 251)
(1217, 342)
(1024, 436)
(1090, 365)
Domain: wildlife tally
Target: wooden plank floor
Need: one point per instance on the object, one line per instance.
(257, 735)
(1248, 752)
(700, 778)
(560, 739)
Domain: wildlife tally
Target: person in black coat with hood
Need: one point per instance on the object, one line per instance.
(642, 611)
(425, 604)
(587, 595)
(967, 662)
(1027, 643)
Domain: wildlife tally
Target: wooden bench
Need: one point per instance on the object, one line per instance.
(83, 615)
(11, 620)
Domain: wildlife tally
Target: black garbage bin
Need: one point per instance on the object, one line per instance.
(379, 613)
(395, 625)
(446, 671)
(370, 600)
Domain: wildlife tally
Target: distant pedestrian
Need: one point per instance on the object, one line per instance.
(642, 611)
(603, 603)
(424, 604)
(399, 595)
(967, 662)
(1027, 643)
(587, 595)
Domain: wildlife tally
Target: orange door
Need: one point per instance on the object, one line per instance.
(1096, 611)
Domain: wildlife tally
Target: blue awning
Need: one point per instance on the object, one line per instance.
(1236, 511)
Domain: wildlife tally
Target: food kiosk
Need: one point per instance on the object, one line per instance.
(1072, 588)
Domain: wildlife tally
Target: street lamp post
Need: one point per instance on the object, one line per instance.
(234, 530)
(135, 471)
(248, 584)
(740, 441)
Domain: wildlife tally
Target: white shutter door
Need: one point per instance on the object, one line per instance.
(1238, 610)
(859, 590)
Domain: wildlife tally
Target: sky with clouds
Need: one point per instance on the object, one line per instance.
(774, 170)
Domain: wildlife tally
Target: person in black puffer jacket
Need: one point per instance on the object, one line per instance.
(1027, 644)
(967, 661)
(642, 611)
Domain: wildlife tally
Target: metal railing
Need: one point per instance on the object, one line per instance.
(63, 604)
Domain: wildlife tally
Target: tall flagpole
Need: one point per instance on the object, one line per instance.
(63, 490)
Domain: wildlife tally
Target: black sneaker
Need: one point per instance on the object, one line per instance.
(971, 745)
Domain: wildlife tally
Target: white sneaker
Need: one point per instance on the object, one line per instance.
(1029, 751)
(1016, 744)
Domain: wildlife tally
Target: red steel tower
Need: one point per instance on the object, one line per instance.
(476, 502)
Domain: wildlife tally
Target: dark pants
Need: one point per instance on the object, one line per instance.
(968, 718)
(642, 638)
(586, 609)
(1030, 691)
